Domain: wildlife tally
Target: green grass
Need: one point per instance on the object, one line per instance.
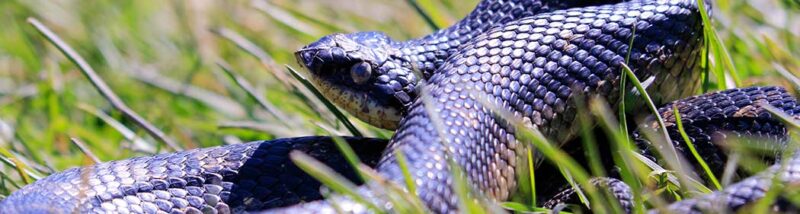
(211, 73)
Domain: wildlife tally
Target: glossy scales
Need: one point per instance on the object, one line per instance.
(736, 115)
(532, 67)
(430, 52)
(252, 176)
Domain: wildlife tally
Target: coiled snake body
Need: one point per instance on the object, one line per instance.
(526, 57)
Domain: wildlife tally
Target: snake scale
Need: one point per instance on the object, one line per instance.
(526, 57)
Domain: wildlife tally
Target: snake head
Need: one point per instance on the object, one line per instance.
(363, 73)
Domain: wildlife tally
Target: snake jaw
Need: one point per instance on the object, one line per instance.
(378, 96)
(362, 105)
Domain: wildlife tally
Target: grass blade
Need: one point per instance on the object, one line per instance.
(101, 86)
(422, 13)
(791, 120)
(536, 140)
(138, 143)
(85, 150)
(349, 155)
(285, 18)
(588, 139)
(631, 171)
(322, 22)
(776, 186)
(715, 46)
(532, 176)
(253, 94)
(331, 179)
(269, 64)
(220, 103)
(403, 164)
(671, 154)
(648, 101)
(691, 147)
(402, 200)
(339, 115)
(788, 75)
(18, 165)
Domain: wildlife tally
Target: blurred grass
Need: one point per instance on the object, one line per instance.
(161, 58)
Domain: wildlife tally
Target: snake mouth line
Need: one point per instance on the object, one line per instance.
(360, 104)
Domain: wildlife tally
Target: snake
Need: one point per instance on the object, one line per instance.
(440, 92)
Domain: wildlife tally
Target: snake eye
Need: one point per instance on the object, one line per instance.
(360, 72)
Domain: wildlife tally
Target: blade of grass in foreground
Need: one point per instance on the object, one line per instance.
(101, 86)
(670, 154)
(787, 74)
(650, 104)
(623, 92)
(331, 179)
(575, 186)
(776, 187)
(762, 206)
(623, 154)
(696, 155)
(532, 174)
(18, 165)
(9, 160)
(791, 120)
(265, 59)
(349, 155)
(339, 115)
(566, 163)
(591, 152)
(301, 13)
(403, 164)
(715, 46)
(462, 190)
(4, 190)
(254, 50)
(687, 183)
(285, 18)
(401, 199)
(81, 146)
(422, 13)
(253, 94)
(138, 143)
(527, 189)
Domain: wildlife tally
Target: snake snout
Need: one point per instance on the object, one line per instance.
(324, 55)
(313, 59)
(302, 57)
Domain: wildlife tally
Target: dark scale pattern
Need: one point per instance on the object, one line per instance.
(745, 192)
(621, 191)
(531, 67)
(431, 51)
(224, 179)
(711, 119)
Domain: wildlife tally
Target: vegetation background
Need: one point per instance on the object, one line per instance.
(165, 60)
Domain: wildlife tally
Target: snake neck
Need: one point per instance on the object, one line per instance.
(431, 51)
